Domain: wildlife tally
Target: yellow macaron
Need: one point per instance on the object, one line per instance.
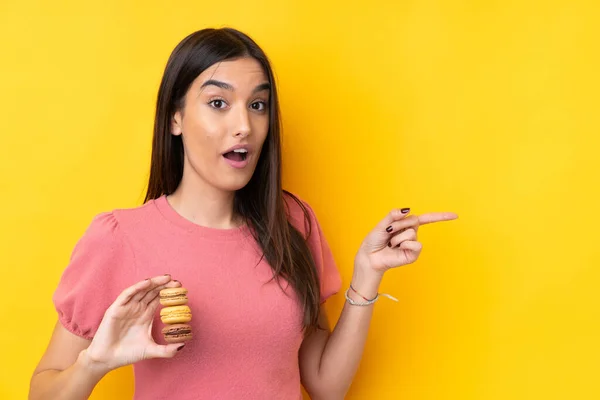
(176, 315)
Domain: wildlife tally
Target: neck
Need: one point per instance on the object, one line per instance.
(204, 204)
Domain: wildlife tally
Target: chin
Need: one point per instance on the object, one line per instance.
(234, 183)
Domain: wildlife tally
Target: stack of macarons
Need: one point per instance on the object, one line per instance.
(176, 314)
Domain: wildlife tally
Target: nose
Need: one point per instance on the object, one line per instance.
(242, 124)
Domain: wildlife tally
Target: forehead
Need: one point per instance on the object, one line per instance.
(240, 73)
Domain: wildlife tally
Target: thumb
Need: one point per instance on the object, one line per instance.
(164, 351)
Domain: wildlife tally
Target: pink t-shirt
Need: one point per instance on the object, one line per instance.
(247, 332)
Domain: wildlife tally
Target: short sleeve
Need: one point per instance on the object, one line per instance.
(329, 275)
(94, 277)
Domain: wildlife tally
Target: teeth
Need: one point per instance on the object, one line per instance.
(240, 151)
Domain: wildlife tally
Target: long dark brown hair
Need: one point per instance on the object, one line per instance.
(260, 203)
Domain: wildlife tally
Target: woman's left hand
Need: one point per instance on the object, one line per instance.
(393, 243)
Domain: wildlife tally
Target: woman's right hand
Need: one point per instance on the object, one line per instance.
(125, 334)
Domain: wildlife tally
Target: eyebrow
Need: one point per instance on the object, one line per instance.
(227, 86)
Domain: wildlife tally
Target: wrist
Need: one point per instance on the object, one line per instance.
(90, 366)
(366, 281)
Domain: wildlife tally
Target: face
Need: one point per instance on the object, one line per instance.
(224, 123)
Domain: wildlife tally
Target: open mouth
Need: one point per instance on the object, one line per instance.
(237, 155)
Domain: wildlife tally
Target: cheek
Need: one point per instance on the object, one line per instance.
(202, 138)
(261, 128)
(203, 123)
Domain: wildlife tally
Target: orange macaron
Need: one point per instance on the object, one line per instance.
(173, 296)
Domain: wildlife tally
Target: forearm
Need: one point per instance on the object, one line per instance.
(344, 348)
(73, 383)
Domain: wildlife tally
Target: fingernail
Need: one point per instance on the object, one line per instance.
(181, 347)
(175, 280)
(405, 210)
(167, 274)
(389, 229)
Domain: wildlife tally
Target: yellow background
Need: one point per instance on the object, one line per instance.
(485, 108)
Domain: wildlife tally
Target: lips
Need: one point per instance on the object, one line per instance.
(238, 156)
(240, 146)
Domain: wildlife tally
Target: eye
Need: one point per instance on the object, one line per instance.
(259, 106)
(217, 103)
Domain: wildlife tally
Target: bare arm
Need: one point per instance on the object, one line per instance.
(329, 361)
(64, 372)
(72, 366)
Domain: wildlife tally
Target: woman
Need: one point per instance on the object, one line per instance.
(252, 256)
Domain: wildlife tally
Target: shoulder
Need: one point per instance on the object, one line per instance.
(135, 216)
(294, 204)
(107, 229)
(101, 233)
(299, 213)
(101, 265)
(111, 223)
(104, 250)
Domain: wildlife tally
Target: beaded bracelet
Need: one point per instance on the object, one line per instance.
(367, 302)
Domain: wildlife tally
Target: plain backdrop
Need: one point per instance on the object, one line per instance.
(484, 108)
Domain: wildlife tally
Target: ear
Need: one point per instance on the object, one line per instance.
(177, 124)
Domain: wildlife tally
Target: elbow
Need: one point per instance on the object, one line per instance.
(33, 393)
(36, 392)
(327, 395)
(327, 391)
(321, 386)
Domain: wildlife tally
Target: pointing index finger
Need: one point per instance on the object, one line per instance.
(430, 218)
